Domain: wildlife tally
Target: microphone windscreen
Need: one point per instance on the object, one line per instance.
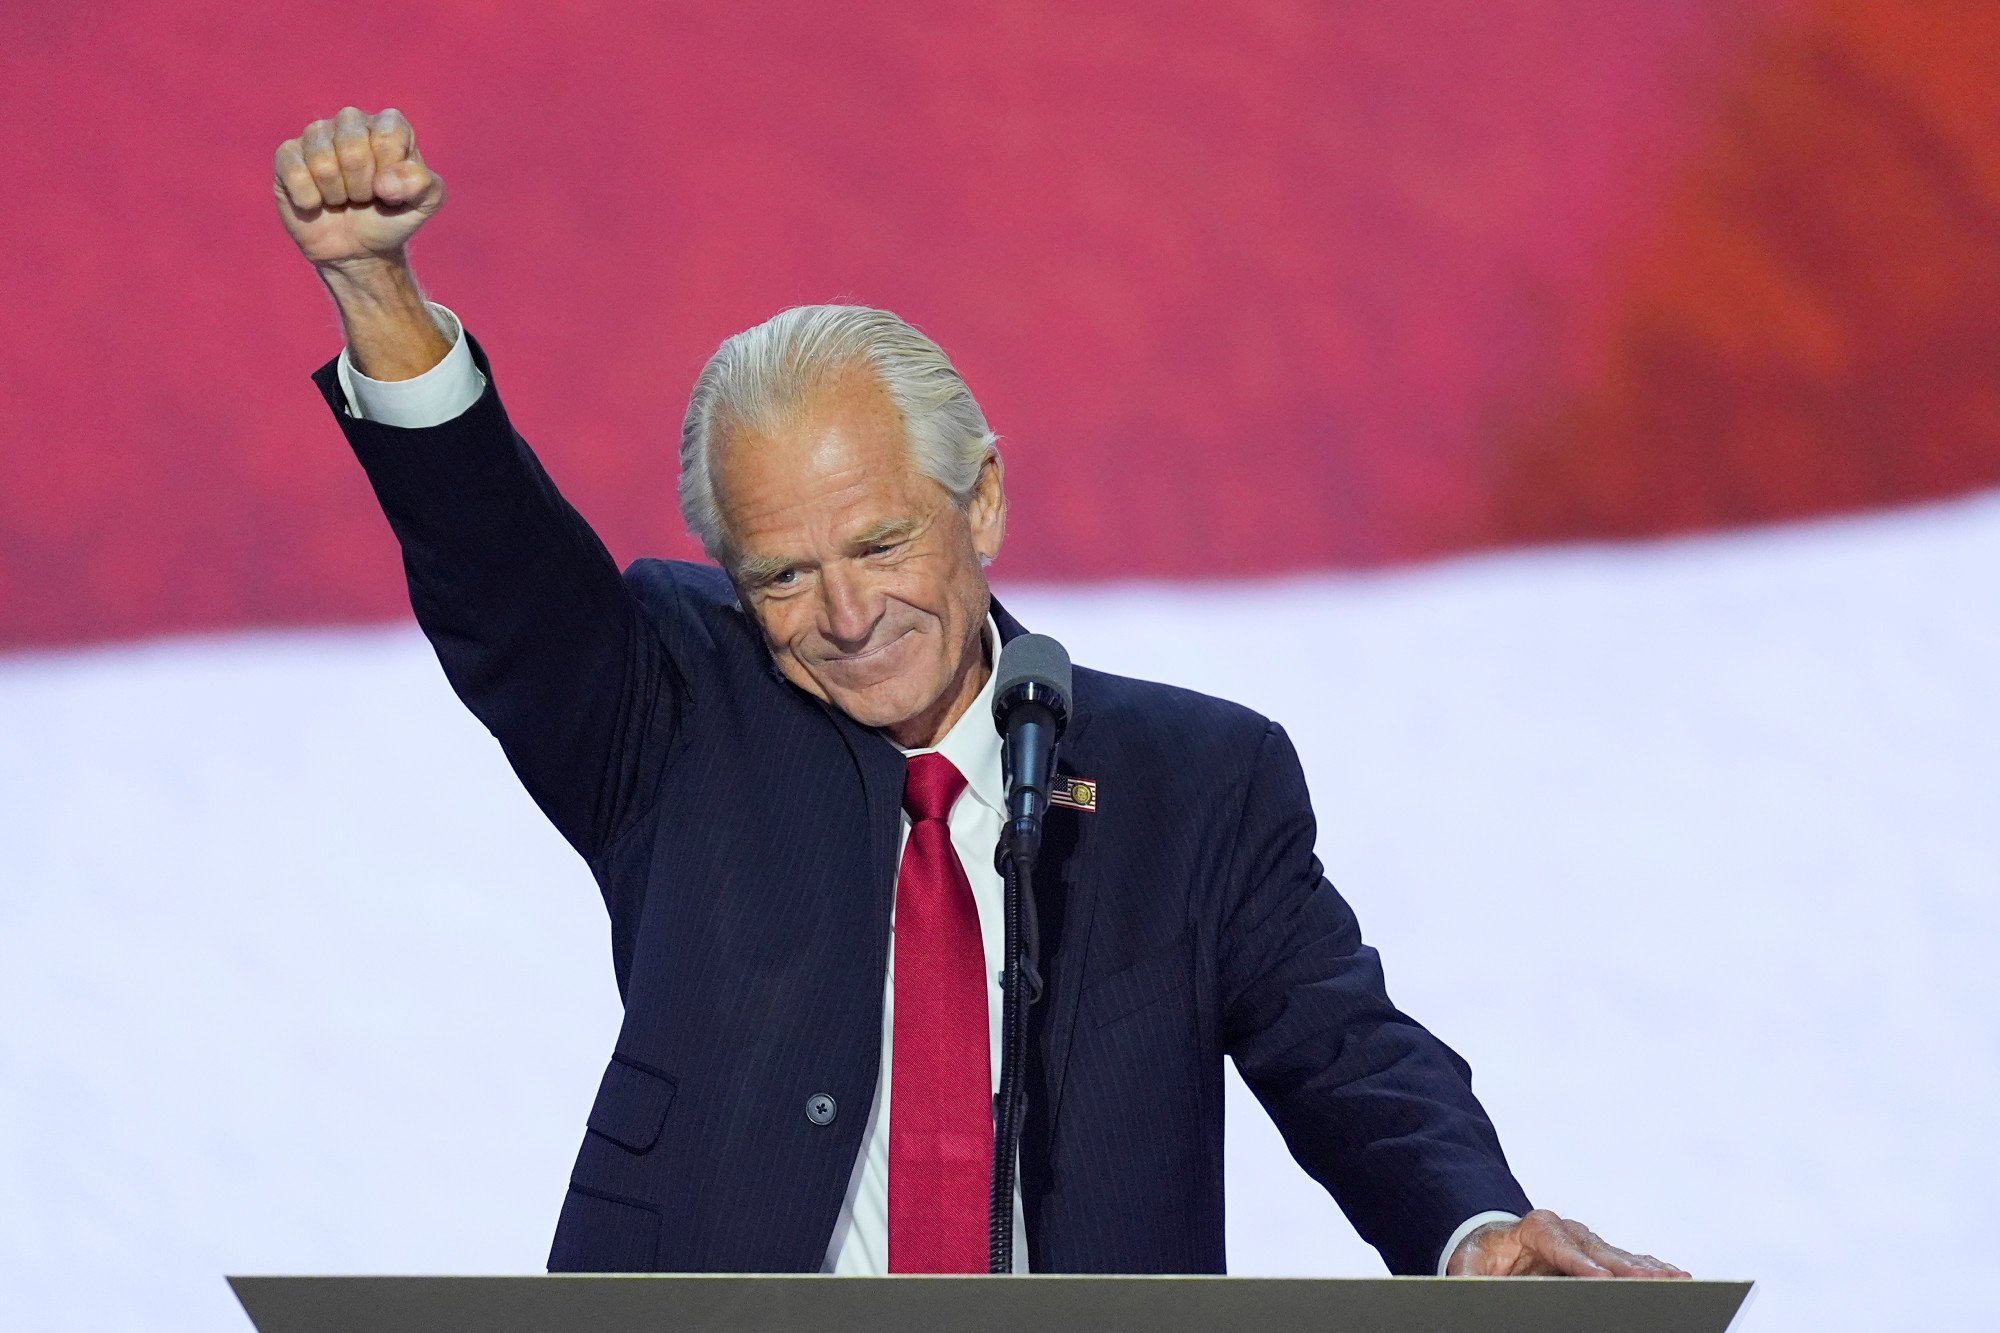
(1032, 657)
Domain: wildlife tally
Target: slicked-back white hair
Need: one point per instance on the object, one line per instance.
(764, 376)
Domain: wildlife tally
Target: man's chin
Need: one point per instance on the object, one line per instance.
(870, 710)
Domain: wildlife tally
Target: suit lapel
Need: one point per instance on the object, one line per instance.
(882, 768)
(1065, 876)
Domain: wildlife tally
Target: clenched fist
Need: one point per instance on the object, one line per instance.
(354, 188)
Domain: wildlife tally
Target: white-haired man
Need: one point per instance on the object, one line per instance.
(782, 778)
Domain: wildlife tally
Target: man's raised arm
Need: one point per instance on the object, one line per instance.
(534, 626)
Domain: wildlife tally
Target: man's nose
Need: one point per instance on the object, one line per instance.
(851, 609)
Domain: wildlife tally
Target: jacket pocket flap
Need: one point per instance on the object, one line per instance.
(631, 1105)
(1133, 987)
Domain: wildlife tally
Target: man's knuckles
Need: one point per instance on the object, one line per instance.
(355, 149)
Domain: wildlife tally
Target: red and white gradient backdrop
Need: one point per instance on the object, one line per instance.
(1352, 360)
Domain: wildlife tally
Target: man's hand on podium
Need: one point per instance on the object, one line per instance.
(1545, 1245)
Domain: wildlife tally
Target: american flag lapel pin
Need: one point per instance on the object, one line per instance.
(1073, 793)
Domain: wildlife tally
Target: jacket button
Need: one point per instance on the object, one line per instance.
(820, 1109)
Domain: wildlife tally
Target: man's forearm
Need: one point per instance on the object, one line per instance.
(391, 334)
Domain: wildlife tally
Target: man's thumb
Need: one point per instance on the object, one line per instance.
(409, 183)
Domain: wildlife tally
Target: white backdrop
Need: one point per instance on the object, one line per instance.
(1693, 849)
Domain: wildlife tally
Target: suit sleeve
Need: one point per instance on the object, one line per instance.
(1372, 1105)
(536, 629)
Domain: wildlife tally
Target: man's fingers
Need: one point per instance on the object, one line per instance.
(1637, 1265)
(1561, 1244)
(356, 158)
(1621, 1263)
(1658, 1267)
(293, 180)
(356, 154)
(316, 146)
(1617, 1262)
(1571, 1258)
(391, 137)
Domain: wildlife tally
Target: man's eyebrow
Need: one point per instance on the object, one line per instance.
(757, 568)
(889, 529)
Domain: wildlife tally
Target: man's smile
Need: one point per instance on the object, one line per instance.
(871, 666)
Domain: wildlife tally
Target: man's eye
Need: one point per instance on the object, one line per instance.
(782, 578)
(883, 548)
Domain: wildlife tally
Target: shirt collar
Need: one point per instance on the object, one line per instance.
(973, 744)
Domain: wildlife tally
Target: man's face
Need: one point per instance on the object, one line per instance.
(864, 574)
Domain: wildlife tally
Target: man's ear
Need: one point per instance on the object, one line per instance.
(987, 513)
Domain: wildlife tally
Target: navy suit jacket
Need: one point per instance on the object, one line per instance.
(744, 835)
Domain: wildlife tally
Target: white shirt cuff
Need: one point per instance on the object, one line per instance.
(431, 399)
(1466, 1228)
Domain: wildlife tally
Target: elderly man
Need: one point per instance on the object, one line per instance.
(785, 780)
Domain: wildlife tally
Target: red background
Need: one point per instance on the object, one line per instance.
(1246, 289)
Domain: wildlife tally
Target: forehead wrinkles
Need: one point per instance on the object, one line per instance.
(848, 438)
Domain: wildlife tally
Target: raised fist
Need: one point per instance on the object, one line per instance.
(355, 187)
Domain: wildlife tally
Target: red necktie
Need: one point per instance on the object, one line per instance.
(941, 1075)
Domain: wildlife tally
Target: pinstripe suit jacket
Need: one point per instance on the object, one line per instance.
(744, 837)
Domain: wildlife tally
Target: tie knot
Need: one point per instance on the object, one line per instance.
(932, 787)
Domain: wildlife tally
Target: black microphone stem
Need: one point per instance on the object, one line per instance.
(1031, 709)
(1021, 986)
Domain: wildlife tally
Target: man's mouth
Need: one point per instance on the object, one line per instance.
(862, 662)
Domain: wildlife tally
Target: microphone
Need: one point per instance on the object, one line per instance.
(1030, 710)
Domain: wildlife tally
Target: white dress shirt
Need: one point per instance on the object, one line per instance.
(861, 1237)
(860, 1243)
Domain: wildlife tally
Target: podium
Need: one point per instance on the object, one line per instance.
(738, 1303)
